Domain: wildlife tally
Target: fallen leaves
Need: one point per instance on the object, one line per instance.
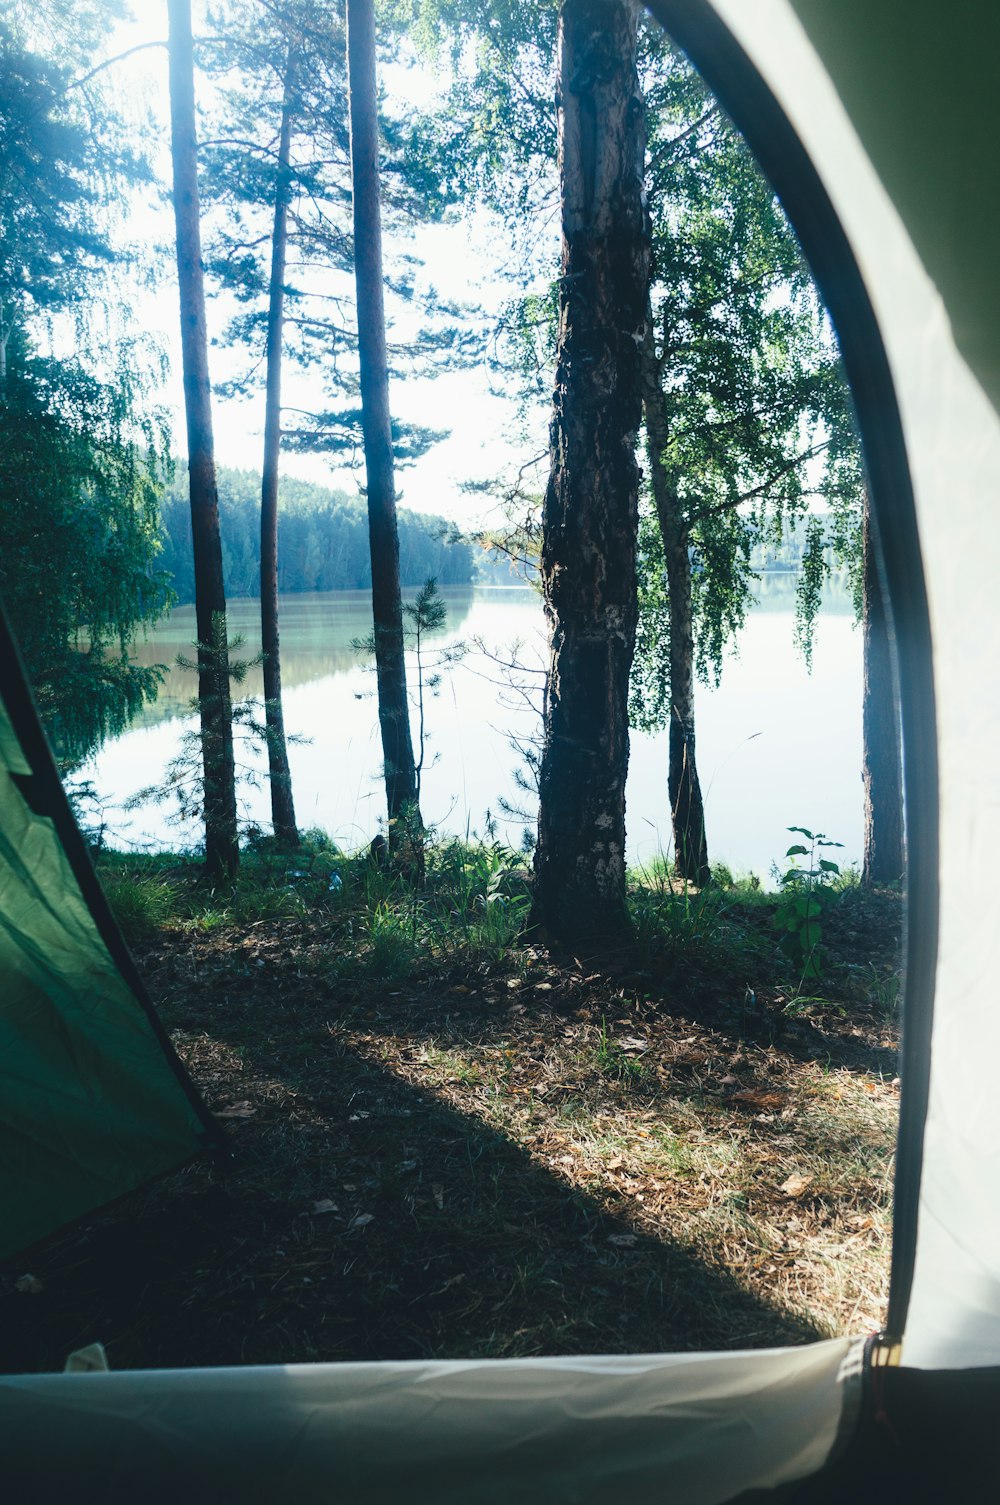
(756, 1101)
(672, 1139)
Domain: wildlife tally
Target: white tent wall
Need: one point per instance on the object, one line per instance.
(953, 439)
(694, 1429)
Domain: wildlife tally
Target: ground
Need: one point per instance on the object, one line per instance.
(444, 1141)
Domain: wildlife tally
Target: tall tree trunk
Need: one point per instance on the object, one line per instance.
(882, 753)
(282, 804)
(591, 503)
(221, 845)
(387, 607)
(5, 334)
(687, 810)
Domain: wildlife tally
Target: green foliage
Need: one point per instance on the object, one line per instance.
(79, 544)
(752, 397)
(809, 591)
(391, 948)
(80, 445)
(292, 57)
(70, 30)
(428, 613)
(322, 539)
(807, 893)
(486, 884)
(65, 160)
(885, 991)
(470, 909)
(494, 140)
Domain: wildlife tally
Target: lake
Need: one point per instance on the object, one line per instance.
(776, 746)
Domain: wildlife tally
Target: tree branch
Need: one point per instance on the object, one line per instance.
(78, 83)
(764, 487)
(669, 146)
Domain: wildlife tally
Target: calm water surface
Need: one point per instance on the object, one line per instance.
(776, 746)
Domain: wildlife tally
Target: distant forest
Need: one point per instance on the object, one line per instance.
(788, 556)
(322, 539)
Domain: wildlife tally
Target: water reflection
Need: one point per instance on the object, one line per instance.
(777, 747)
(317, 631)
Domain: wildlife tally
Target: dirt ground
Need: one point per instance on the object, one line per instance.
(527, 1155)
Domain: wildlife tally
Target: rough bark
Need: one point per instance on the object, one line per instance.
(390, 663)
(591, 502)
(221, 845)
(884, 858)
(687, 810)
(282, 803)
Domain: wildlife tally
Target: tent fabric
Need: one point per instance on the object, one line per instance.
(694, 1429)
(952, 433)
(93, 1102)
(896, 106)
(919, 82)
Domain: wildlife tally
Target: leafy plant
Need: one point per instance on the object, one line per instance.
(807, 893)
(481, 896)
(614, 1061)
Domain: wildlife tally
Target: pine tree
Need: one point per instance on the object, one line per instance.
(387, 607)
(282, 801)
(214, 699)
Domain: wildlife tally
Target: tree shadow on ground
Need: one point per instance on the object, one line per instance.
(360, 1217)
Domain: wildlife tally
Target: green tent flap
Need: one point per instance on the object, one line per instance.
(93, 1100)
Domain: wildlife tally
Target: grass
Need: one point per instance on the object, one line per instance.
(144, 902)
(711, 927)
(447, 1140)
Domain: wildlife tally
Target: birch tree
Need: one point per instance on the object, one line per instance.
(591, 503)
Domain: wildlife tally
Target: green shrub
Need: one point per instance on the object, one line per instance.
(143, 903)
(807, 893)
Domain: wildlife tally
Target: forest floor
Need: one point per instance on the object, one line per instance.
(442, 1141)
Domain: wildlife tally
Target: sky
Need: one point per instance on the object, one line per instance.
(463, 259)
